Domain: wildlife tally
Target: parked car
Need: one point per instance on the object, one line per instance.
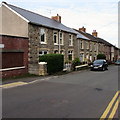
(117, 62)
(99, 64)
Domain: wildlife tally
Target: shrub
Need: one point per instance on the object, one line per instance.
(75, 62)
(101, 56)
(55, 62)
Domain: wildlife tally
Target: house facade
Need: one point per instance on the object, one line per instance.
(83, 47)
(45, 40)
(99, 46)
(90, 46)
(14, 39)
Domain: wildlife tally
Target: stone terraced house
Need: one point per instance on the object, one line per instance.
(83, 47)
(99, 46)
(91, 45)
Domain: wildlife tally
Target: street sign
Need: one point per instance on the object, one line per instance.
(2, 46)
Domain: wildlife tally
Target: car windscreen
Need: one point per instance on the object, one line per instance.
(98, 62)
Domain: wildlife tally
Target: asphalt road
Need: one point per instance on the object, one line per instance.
(83, 94)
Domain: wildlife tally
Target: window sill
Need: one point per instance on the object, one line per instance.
(14, 68)
(71, 45)
(55, 43)
(43, 43)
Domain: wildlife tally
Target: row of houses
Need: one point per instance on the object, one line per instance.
(26, 35)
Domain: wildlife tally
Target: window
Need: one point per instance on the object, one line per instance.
(55, 37)
(81, 45)
(70, 40)
(42, 36)
(95, 47)
(87, 56)
(43, 53)
(87, 45)
(56, 51)
(70, 55)
(81, 57)
(90, 46)
(61, 38)
(62, 52)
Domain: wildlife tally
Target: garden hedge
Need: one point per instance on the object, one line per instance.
(101, 56)
(55, 62)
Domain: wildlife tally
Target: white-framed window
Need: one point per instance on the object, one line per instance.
(70, 40)
(55, 37)
(90, 46)
(81, 44)
(42, 36)
(61, 38)
(95, 47)
(87, 45)
(43, 52)
(70, 55)
(90, 57)
(87, 56)
(82, 57)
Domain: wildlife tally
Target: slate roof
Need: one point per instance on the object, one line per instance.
(95, 39)
(91, 37)
(79, 35)
(40, 20)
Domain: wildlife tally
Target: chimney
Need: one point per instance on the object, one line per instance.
(57, 18)
(4, 2)
(94, 33)
(82, 29)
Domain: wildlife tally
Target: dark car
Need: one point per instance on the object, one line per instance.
(117, 62)
(99, 65)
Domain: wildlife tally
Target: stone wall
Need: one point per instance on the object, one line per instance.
(33, 49)
(35, 46)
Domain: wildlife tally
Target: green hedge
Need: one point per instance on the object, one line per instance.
(101, 56)
(55, 62)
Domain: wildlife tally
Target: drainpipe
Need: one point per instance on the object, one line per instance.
(59, 42)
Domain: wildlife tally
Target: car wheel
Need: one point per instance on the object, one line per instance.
(91, 69)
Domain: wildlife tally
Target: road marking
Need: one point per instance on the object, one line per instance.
(104, 115)
(114, 109)
(15, 84)
(44, 79)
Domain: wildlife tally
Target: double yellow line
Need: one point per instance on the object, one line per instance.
(13, 84)
(112, 106)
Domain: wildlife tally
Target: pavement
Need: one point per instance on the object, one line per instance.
(81, 94)
(13, 82)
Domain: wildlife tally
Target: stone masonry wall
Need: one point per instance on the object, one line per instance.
(35, 46)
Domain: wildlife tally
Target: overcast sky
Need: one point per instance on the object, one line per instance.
(99, 15)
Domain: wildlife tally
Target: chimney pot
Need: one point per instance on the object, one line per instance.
(82, 29)
(94, 33)
(57, 18)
